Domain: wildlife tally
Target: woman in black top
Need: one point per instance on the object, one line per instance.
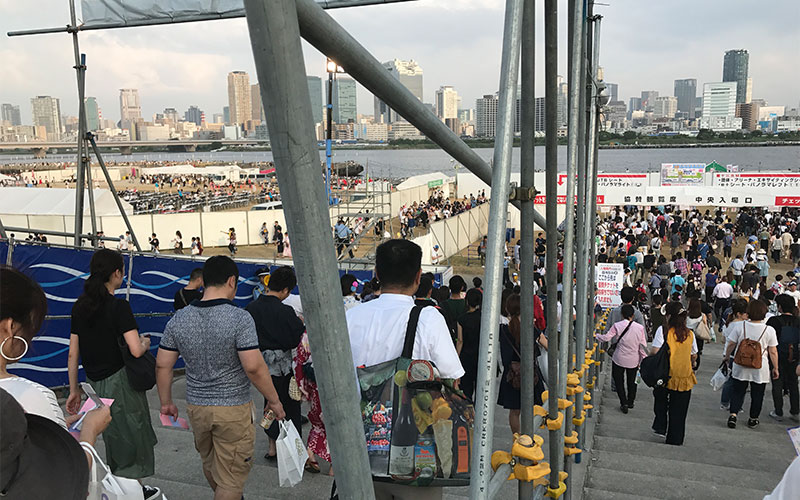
(469, 339)
(99, 321)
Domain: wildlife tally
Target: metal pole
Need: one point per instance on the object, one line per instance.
(114, 192)
(480, 466)
(527, 174)
(79, 180)
(280, 65)
(3, 231)
(320, 30)
(329, 138)
(84, 149)
(551, 191)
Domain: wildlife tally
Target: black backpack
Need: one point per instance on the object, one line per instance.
(655, 368)
(789, 340)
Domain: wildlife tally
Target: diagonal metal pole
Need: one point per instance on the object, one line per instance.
(278, 54)
(555, 354)
(320, 30)
(480, 465)
(79, 170)
(527, 174)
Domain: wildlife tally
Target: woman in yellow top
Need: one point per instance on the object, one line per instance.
(672, 403)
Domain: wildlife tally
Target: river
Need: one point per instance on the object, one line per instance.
(407, 162)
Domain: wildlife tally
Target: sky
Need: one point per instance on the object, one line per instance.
(645, 45)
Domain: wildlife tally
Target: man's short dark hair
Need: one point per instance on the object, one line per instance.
(477, 282)
(627, 294)
(397, 262)
(282, 278)
(457, 284)
(425, 286)
(218, 269)
(474, 297)
(626, 310)
(786, 303)
(196, 273)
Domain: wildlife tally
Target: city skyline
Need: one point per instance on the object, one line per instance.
(174, 67)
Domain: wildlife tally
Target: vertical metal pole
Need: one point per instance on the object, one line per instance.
(116, 195)
(84, 149)
(3, 231)
(278, 54)
(79, 180)
(527, 174)
(551, 191)
(329, 138)
(490, 317)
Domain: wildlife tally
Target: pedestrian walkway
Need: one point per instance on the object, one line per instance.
(629, 462)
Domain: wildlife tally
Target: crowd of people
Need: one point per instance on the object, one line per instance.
(436, 208)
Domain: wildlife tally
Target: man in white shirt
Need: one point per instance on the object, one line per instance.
(436, 255)
(791, 289)
(722, 298)
(378, 327)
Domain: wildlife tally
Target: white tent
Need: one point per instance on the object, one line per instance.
(55, 201)
(431, 180)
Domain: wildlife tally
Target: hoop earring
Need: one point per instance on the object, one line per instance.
(24, 352)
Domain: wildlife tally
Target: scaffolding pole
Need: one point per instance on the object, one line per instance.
(278, 54)
(480, 466)
(79, 171)
(527, 342)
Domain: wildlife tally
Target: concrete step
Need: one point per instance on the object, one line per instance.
(599, 494)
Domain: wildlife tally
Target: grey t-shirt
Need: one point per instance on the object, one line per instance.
(209, 335)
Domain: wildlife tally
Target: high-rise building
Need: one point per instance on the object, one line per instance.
(616, 115)
(635, 104)
(194, 115)
(92, 114)
(613, 91)
(446, 102)
(665, 107)
(735, 69)
(409, 73)
(256, 109)
(226, 115)
(130, 109)
(563, 113)
(539, 117)
(748, 112)
(317, 102)
(686, 93)
(486, 116)
(466, 115)
(239, 102)
(47, 114)
(10, 113)
(719, 107)
(171, 114)
(344, 100)
(649, 99)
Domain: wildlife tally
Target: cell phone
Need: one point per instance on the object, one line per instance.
(89, 391)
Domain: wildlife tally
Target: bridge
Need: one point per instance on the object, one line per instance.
(40, 149)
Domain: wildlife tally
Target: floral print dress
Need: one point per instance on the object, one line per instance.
(317, 439)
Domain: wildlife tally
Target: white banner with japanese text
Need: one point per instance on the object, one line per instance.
(609, 279)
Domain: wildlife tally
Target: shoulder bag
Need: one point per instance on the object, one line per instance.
(702, 331)
(141, 371)
(612, 348)
(748, 352)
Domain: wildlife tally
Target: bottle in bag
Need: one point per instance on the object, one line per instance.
(404, 438)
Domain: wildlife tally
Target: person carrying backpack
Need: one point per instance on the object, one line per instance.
(752, 341)
(787, 326)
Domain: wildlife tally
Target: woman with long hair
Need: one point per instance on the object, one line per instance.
(509, 395)
(671, 403)
(103, 325)
(695, 318)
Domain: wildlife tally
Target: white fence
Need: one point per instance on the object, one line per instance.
(455, 233)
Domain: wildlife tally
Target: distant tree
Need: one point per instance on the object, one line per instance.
(706, 134)
(630, 135)
(756, 133)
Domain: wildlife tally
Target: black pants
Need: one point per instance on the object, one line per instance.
(290, 406)
(700, 343)
(787, 381)
(341, 243)
(776, 256)
(719, 309)
(670, 408)
(621, 375)
(756, 396)
(764, 245)
(726, 252)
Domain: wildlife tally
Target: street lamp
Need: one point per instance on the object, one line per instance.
(332, 68)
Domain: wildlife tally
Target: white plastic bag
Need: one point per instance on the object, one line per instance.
(103, 485)
(718, 379)
(292, 455)
(543, 364)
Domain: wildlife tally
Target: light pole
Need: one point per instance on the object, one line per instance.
(332, 68)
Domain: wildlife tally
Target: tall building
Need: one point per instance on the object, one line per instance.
(486, 116)
(47, 114)
(665, 107)
(10, 113)
(171, 114)
(563, 113)
(735, 69)
(344, 100)
(256, 109)
(239, 102)
(130, 109)
(446, 102)
(686, 93)
(194, 115)
(719, 107)
(748, 112)
(92, 114)
(226, 115)
(317, 101)
(635, 104)
(409, 73)
(649, 99)
(466, 115)
(539, 121)
(613, 91)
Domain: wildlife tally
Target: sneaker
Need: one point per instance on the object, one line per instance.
(752, 423)
(795, 417)
(630, 405)
(777, 417)
(660, 433)
(724, 407)
(623, 408)
(732, 422)
(150, 493)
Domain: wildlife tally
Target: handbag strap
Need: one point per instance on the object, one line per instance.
(511, 341)
(411, 331)
(93, 476)
(624, 332)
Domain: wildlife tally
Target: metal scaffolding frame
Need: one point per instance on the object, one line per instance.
(275, 29)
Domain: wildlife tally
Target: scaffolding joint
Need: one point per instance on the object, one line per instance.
(522, 193)
(556, 492)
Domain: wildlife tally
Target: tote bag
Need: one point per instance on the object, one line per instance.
(141, 371)
(103, 485)
(292, 455)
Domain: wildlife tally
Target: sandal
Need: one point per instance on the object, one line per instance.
(312, 467)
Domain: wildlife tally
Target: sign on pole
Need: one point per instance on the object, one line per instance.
(609, 279)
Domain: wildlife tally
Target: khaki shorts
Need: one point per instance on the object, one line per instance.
(225, 438)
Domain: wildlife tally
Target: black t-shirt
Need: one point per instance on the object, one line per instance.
(184, 297)
(471, 335)
(98, 334)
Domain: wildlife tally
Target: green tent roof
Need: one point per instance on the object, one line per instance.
(715, 167)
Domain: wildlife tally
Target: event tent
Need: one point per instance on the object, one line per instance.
(55, 201)
(432, 180)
